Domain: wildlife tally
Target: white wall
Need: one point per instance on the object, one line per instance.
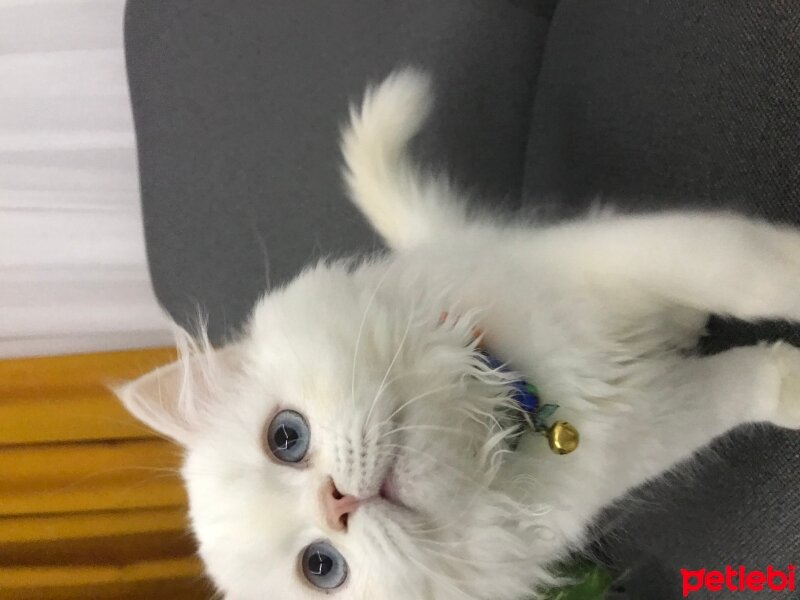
(73, 272)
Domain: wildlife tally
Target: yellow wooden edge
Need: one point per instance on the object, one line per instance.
(42, 577)
(66, 415)
(27, 466)
(152, 494)
(103, 368)
(78, 477)
(55, 477)
(91, 525)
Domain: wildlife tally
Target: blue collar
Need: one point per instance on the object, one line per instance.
(526, 394)
(527, 397)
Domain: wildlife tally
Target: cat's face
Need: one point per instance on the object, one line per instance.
(340, 388)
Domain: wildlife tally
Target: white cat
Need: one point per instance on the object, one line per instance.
(350, 442)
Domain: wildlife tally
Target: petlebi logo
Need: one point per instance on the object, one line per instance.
(739, 579)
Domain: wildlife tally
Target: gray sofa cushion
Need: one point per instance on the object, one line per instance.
(647, 104)
(659, 104)
(238, 107)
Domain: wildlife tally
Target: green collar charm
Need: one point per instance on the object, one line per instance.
(592, 582)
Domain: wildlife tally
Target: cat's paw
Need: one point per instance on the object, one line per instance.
(787, 358)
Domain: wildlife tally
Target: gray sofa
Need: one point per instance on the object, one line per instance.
(644, 104)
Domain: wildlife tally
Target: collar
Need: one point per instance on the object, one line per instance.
(562, 436)
(525, 394)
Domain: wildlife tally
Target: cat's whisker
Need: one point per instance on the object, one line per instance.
(454, 520)
(331, 430)
(489, 475)
(447, 581)
(361, 328)
(457, 473)
(423, 428)
(397, 377)
(416, 398)
(217, 595)
(263, 247)
(443, 527)
(437, 461)
(390, 545)
(389, 368)
(450, 557)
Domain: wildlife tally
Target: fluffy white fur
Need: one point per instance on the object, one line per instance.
(598, 313)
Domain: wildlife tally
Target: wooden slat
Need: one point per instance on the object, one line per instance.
(86, 538)
(71, 415)
(110, 497)
(60, 372)
(42, 466)
(111, 550)
(43, 528)
(89, 476)
(188, 588)
(90, 502)
(141, 580)
(20, 577)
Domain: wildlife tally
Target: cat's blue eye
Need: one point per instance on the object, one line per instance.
(323, 566)
(288, 436)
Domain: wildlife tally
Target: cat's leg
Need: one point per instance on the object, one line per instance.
(700, 399)
(714, 263)
(673, 408)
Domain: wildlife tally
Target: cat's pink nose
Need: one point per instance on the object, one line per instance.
(337, 507)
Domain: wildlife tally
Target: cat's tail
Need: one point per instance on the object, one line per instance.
(404, 205)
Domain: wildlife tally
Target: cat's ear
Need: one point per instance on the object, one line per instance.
(172, 399)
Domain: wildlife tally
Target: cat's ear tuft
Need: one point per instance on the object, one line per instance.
(174, 399)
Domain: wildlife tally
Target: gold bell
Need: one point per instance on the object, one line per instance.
(563, 437)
